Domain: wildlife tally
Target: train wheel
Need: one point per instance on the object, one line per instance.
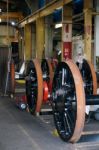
(68, 101)
(34, 86)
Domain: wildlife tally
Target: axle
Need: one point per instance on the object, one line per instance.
(92, 100)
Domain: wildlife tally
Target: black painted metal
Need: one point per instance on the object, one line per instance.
(64, 102)
(45, 70)
(31, 86)
(92, 100)
(86, 76)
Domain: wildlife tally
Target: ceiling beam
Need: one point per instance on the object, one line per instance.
(10, 15)
(46, 10)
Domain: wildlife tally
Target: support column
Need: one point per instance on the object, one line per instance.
(21, 44)
(33, 40)
(27, 42)
(88, 29)
(96, 38)
(20, 47)
(40, 38)
(66, 32)
(48, 37)
(97, 29)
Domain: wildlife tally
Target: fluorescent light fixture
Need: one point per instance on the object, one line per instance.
(58, 25)
(0, 19)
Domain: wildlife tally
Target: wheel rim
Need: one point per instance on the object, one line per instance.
(12, 72)
(34, 86)
(68, 101)
(50, 70)
(94, 78)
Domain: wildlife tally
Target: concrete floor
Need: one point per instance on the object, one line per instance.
(21, 131)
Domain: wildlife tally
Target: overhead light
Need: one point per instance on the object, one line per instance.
(0, 10)
(0, 19)
(58, 25)
(13, 23)
(58, 8)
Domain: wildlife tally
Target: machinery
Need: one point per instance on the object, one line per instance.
(73, 89)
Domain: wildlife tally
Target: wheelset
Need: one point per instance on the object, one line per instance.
(72, 89)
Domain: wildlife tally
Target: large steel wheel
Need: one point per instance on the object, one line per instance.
(89, 77)
(68, 101)
(34, 86)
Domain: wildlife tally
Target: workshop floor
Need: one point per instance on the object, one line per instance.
(21, 131)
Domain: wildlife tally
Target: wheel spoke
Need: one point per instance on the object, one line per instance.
(67, 123)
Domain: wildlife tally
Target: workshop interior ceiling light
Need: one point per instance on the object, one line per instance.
(58, 25)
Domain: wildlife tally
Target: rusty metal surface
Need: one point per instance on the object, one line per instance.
(50, 70)
(11, 82)
(7, 71)
(40, 84)
(93, 77)
(4, 51)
